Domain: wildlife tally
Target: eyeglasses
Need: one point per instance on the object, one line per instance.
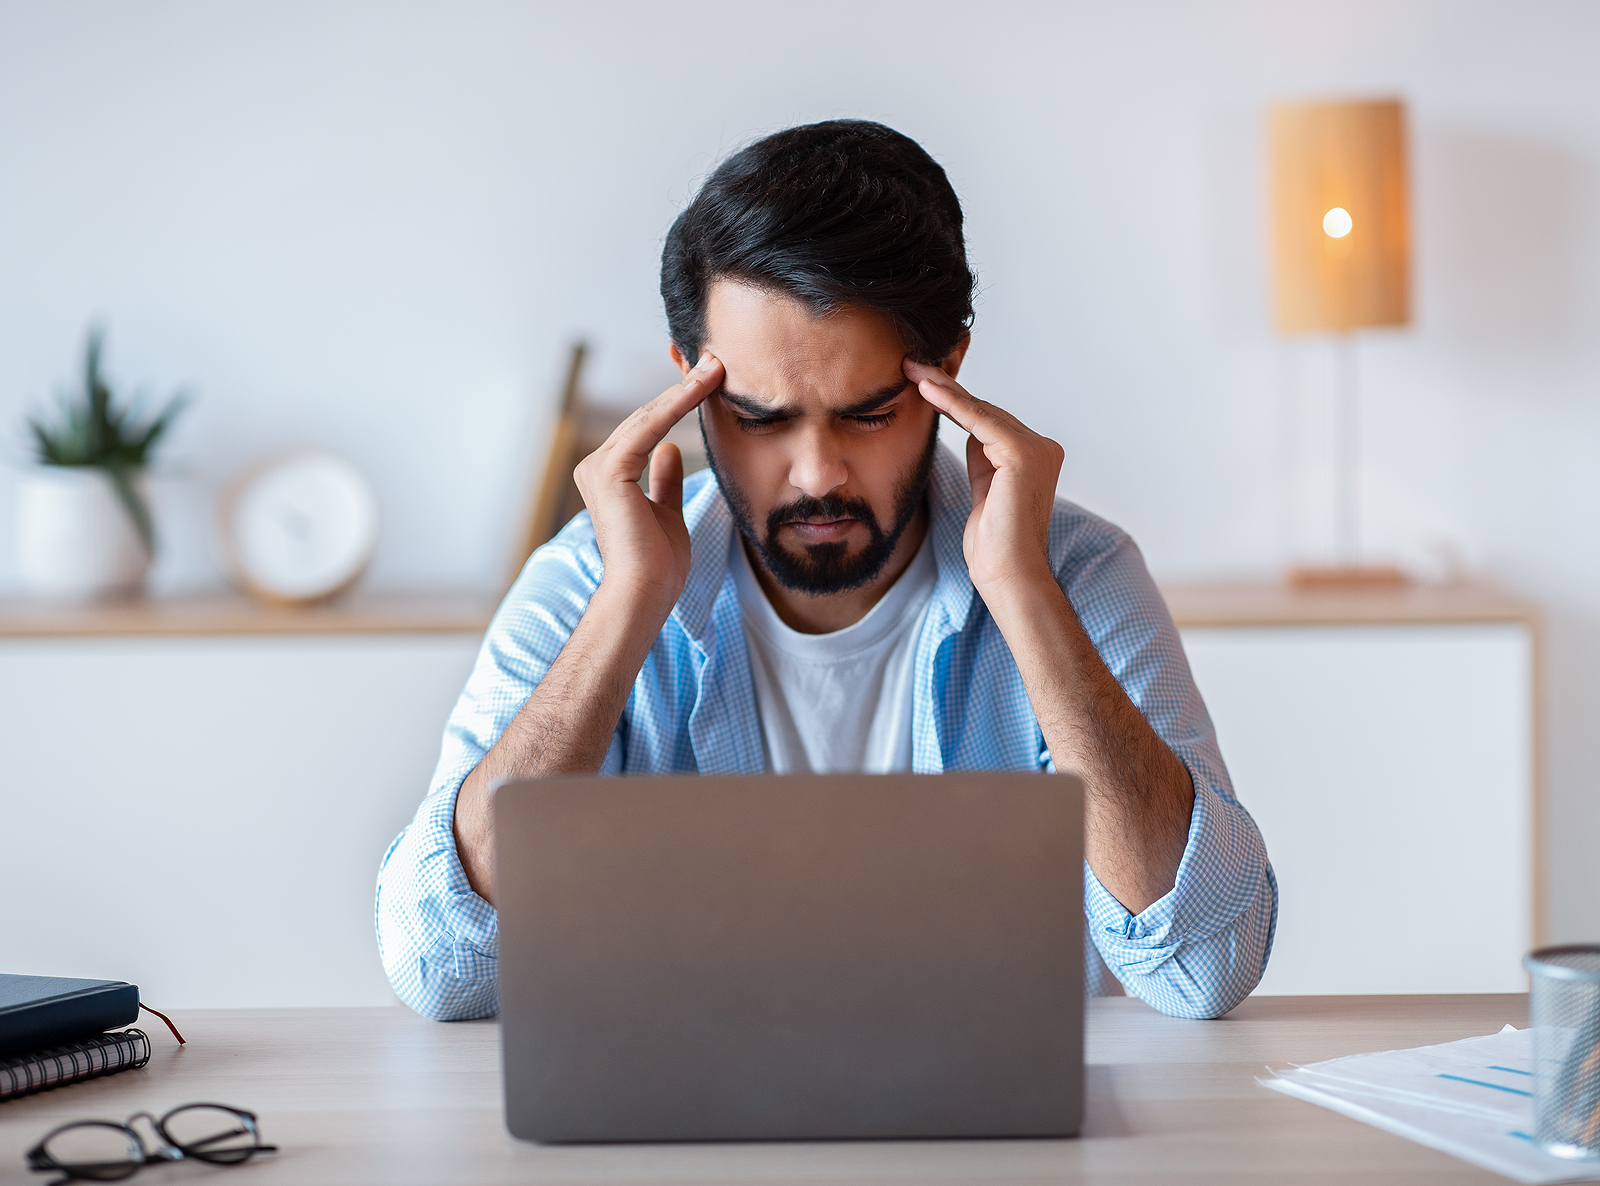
(105, 1151)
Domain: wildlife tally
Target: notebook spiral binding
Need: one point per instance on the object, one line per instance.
(73, 1062)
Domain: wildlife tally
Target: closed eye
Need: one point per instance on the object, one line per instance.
(758, 424)
(762, 424)
(875, 420)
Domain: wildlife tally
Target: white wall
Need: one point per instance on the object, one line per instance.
(376, 226)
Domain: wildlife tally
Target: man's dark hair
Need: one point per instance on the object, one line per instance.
(844, 213)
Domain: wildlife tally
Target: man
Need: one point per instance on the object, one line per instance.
(839, 593)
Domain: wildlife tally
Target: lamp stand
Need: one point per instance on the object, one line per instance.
(1347, 451)
(1347, 572)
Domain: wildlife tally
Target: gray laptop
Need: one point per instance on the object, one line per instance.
(791, 957)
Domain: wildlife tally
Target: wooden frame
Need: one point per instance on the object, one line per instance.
(556, 489)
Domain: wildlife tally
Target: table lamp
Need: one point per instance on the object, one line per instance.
(1341, 251)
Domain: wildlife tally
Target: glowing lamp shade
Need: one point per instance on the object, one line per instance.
(1340, 234)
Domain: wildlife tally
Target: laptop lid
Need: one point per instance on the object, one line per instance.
(791, 957)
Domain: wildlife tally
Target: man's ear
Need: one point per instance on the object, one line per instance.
(951, 363)
(677, 357)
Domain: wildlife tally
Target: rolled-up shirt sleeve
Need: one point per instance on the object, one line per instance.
(1199, 950)
(439, 941)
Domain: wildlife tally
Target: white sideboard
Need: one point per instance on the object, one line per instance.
(195, 794)
(1385, 742)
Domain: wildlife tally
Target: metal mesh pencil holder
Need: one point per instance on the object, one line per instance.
(1564, 1010)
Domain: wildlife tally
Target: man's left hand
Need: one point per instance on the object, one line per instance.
(1138, 796)
(1013, 471)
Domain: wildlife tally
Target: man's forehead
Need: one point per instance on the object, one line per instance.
(812, 382)
(778, 353)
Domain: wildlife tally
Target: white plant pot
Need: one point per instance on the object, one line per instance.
(75, 538)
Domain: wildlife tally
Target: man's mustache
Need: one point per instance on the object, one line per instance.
(828, 507)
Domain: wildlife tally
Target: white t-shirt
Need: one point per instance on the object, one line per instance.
(838, 701)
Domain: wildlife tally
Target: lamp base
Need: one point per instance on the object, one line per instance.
(1342, 577)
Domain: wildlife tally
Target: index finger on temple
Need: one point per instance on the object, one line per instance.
(921, 373)
(953, 401)
(966, 409)
(643, 430)
(917, 372)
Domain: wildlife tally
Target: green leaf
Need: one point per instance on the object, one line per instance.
(49, 452)
(93, 430)
(139, 446)
(122, 478)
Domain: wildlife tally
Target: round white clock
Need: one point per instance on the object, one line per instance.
(299, 527)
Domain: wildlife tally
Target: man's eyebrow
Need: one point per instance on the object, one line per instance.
(876, 400)
(757, 410)
(751, 406)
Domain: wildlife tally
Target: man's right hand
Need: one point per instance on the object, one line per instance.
(643, 540)
(567, 721)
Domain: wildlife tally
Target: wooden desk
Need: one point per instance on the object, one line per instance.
(379, 1095)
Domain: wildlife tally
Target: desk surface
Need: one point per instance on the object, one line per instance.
(379, 1095)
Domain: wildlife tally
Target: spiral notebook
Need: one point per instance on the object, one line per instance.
(73, 1062)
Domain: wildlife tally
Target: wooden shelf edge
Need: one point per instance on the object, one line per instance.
(1273, 603)
(1193, 605)
(227, 613)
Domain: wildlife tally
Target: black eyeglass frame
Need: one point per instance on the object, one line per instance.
(40, 1160)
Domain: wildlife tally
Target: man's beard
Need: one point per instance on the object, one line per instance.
(828, 568)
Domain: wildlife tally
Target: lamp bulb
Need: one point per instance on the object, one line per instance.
(1336, 223)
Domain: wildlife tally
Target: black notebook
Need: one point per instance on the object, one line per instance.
(38, 1011)
(73, 1062)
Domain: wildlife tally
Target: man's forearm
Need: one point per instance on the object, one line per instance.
(566, 724)
(1137, 795)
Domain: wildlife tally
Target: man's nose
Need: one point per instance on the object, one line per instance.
(816, 467)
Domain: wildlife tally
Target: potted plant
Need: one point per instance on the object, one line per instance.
(84, 528)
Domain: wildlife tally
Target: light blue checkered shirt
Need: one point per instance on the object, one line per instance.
(1195, 953)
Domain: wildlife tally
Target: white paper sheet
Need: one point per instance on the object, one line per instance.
(1472, 1099)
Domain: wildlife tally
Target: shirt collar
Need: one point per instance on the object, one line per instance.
(950, 505)
(710, 524)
